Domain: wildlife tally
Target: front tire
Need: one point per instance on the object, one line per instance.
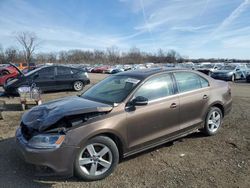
(97, 159)
(78, 85)
(213, 121)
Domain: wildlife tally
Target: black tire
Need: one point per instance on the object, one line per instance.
(113, 151)
(208, 127)
(78, 85)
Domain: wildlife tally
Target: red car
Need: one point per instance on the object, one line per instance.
(7, 73)
(100, 69)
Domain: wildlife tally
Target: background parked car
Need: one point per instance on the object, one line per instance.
(100, 69)
(209, 68)
(113, 70)
(50, 78)
(8, 73)
(23, 66)
(230, 72)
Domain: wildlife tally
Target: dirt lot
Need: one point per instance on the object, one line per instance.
(194, 161)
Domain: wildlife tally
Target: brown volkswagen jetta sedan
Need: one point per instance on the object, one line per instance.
(122, 115)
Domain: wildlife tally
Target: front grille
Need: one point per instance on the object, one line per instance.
(27, 132)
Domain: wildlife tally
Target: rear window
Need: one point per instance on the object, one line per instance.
(188, 81)
(63, 71)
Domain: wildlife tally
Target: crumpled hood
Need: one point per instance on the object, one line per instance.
(45, 115)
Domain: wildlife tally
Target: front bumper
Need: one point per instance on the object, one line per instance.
(60, 160)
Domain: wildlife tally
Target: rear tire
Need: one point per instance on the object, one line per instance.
(97, 159)
(213, 121)
(78, 85)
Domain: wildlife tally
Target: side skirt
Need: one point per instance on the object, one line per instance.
(163, 141)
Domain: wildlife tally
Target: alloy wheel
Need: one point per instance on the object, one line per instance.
(95, 159)
(78, 85)
(214, 121)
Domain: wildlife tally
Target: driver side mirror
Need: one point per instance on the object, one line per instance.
(140, 101)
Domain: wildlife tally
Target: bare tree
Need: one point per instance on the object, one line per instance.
(2, 58)
(113, 54)
(11, 54)
(29, 42)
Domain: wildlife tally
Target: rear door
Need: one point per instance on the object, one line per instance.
(45, 79)
(160, 117)
(64, 77)
(194, 93)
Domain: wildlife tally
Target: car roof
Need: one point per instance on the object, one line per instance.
(144, 73)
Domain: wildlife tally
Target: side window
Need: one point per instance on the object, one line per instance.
(204, 82)
(157, 87)
(46, 72)
(188, 81)
(74, 71)
(63, 71)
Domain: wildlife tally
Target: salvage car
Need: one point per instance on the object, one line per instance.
(7, 73)
(124, 114)
(230, 72)
(50, 78)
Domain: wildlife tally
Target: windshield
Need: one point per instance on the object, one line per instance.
(208, 66)
(113, 89)
(227, 67)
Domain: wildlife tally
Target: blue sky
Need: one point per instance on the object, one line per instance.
(195, 28)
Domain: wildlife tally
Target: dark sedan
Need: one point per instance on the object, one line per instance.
(50, 78)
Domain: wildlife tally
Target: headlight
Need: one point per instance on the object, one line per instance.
(46, 141)
(86, 74)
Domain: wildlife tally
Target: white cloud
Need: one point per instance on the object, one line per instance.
(233, 16)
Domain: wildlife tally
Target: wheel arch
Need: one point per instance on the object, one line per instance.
(118, 141)
(220, 106)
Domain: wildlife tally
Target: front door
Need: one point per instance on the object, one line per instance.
(160, 117)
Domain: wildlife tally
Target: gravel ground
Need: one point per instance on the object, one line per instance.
(194, 161)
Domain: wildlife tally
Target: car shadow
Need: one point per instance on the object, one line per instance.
(14, 172)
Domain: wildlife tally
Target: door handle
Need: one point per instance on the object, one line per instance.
(173, 105)
(205, 97)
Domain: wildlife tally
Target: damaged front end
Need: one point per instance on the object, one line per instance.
(45, 126)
